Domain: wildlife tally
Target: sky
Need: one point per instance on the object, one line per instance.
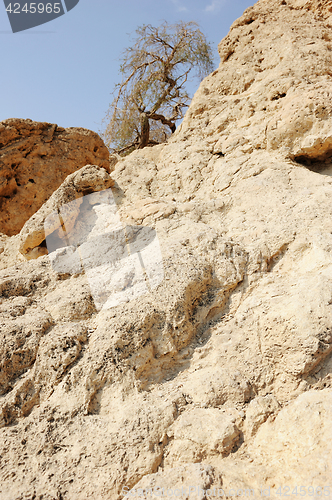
(64, 71)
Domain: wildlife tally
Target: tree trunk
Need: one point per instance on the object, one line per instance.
(145, 131)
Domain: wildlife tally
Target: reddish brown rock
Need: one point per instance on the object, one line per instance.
(35, 158)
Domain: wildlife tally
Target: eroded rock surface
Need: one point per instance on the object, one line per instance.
(35, 158)
(221, 376)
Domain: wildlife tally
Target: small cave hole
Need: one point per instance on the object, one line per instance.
(318, 165)
(32, 181)
(87, 191)
(303, 160)
(278, 96)
(228, 55)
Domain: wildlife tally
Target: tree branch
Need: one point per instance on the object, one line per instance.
(163, 120)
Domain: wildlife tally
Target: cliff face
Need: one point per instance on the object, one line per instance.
(218, 375)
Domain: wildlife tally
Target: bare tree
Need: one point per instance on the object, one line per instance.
(152, 95)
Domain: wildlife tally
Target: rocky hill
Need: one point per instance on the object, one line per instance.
(210, 367)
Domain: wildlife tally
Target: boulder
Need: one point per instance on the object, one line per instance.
(35, 158)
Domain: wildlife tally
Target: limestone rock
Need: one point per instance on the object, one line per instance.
(297, 443)
(194, 481)
(87, 180)
(271, 90)
(259, 409)
(35, 158)
(223, 371)
(200, 432)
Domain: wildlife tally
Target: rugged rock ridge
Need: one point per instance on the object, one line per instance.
(221, 376)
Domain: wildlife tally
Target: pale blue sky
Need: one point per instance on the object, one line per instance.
(64, 71)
